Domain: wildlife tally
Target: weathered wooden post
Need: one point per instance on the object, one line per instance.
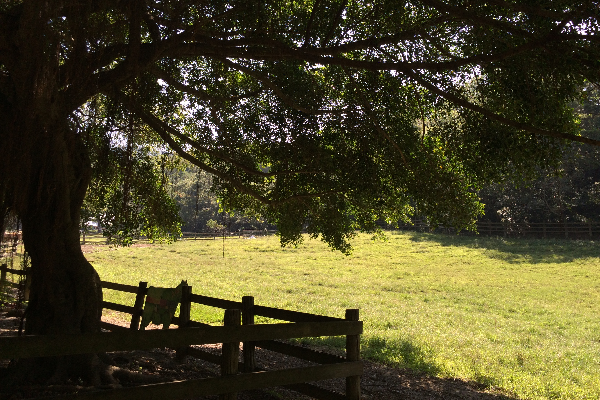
(544, 230)
(185, 308)
(230, 352)
(27, 290)
(3, 269)
(352, 354)
(138, 306)
(249, 347)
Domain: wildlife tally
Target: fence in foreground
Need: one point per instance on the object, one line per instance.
(238, 328)
(22, 284)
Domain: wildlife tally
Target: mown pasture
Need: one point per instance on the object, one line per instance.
(519, 316)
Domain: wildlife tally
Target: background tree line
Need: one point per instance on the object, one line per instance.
(199, 210)
(568, 192)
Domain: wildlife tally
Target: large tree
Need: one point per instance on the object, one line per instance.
(315, 114)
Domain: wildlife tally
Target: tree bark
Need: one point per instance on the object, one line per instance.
(45, 167)
(66, 294)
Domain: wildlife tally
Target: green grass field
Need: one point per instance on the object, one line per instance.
(519, 316)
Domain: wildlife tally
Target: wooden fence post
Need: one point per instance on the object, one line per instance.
(3, 268)
(544, 230)
(136, 316)
(230, 352)
(185, 308)
(27, 290)
(352, 354)
(249, 347)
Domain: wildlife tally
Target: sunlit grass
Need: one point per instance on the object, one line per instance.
(518, 315)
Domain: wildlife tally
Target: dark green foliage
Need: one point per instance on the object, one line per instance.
(567, 191)
(149, 210)
(128, 195)
(324, 116)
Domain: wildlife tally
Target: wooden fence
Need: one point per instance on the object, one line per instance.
(558, 230)
(238, 328)
(23, 283)
(201, 235)
(544, 230)
(9, 244)
(217, 235)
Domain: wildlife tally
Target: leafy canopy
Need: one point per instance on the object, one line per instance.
(128, 195)
(331, 115)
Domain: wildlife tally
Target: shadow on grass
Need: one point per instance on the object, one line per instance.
(413, 374)
(516, 249)
(405, 353)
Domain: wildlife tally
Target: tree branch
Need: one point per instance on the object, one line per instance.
(475, 18)
(135, 34)
(160, 74)
(375, 122)
(161, 127)
(540, 12)
(164, 135)
(316, 56)
(152, 27)
(278, 92)
(336, 21)
(308, 32)
(493, 116)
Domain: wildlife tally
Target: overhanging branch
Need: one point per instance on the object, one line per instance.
(163, 128)
(459, 101)
(287, 100)
(160, 74)
(238, 185)
(164, 135)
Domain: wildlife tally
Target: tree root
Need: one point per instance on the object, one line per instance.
(30, 378)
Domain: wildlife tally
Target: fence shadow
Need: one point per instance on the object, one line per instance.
(514, 250)
(418, 380)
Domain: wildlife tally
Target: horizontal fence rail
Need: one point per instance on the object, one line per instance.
(566, 230)
(214, 386)
(300, 352)
(54, 345)
(217, 235)
(120, 287)
(4, 270)
(292, 316)
(214, 302)
(229, 357)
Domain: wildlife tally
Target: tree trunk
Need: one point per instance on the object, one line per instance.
(65, 290)
(45, 168)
